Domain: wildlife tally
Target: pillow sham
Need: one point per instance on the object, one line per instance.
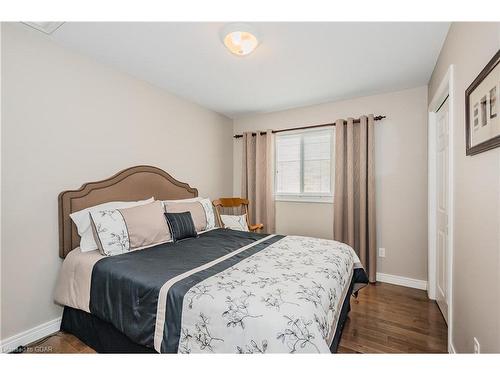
(82, 220)
(127, 229)
(205, 221)
(181, 225)
(235, 222)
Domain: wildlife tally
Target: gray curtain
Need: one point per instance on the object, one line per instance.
(354, 201)
(257, 178)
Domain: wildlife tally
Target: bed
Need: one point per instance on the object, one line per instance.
(223, 292)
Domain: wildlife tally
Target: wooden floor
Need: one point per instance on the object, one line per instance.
(393, 319)
(385, 319)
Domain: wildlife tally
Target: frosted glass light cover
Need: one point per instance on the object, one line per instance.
(240, 43)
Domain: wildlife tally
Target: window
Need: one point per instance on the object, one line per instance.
(303, 166)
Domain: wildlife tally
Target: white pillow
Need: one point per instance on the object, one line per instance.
(82, 220)
(235, 222)
(207, 207)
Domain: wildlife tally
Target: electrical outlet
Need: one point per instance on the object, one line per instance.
(381, 252)
(477, 347)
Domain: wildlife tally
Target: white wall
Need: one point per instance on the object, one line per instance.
(476, 263)
(400, 169)
(67, 120)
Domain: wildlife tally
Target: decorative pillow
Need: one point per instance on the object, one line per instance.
(209, 212)
(181, 225)
(235, 222)
(195, 208)
(127, 229)
(203, 219)
(82, 220)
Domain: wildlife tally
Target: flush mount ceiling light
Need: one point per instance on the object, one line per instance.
(239, 38)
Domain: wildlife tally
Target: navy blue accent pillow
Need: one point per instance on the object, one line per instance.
(181, 225)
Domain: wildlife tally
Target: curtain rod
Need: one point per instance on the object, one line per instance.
(356, 121)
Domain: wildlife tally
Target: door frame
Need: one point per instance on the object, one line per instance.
(445, 89)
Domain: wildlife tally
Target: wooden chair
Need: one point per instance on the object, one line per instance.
(234, 206)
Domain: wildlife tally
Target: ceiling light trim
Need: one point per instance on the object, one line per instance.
(45, 27)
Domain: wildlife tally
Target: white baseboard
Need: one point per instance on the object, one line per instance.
(401, 280)
(451, 349)
(30, 335)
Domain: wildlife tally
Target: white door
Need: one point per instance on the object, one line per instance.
(442, 208)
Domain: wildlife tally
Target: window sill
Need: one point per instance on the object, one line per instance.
(303, 199)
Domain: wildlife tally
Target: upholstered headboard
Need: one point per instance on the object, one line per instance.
(135, 183)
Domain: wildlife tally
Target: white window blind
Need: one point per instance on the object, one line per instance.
(303, 165)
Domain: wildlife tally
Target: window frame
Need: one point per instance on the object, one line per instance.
(303, 196)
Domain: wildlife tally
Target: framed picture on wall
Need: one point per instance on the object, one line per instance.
(482, 122)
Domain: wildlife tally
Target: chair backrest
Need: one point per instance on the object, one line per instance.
(231, 206)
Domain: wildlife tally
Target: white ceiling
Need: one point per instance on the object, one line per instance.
(297, 64)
